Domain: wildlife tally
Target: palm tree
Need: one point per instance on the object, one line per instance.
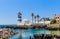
(38, 18)
(35, 18)
(32, 16)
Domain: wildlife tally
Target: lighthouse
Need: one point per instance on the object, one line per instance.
(19, 18)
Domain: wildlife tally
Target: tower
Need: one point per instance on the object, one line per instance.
(19, 17)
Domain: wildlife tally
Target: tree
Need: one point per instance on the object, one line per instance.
(53, 21)
(35, 18)
(32, 16)
(47, 19)
(38, 18)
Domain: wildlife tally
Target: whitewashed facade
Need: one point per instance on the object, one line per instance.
(24, 22)
(27, 22)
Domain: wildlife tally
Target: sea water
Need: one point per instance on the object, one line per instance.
(26, 34)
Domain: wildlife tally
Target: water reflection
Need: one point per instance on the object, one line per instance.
(25, 34)
(28, 33)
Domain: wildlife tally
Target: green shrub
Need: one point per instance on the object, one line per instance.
(53, 21)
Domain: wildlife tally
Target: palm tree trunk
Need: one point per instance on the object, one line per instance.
(35, 21)
(32, 20)
(38, 20)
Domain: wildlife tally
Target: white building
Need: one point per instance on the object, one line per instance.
(27, 22)
(44, 22)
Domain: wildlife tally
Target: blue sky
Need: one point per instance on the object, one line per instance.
(10, 8)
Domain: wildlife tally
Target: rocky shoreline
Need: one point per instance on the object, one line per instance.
(34, 27)
(45, 36)
(5, 33)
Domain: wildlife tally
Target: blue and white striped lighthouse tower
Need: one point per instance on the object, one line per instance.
(19, 17)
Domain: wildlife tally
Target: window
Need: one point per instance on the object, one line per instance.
(58, 17)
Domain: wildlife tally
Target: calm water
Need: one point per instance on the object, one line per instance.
(27, 33)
